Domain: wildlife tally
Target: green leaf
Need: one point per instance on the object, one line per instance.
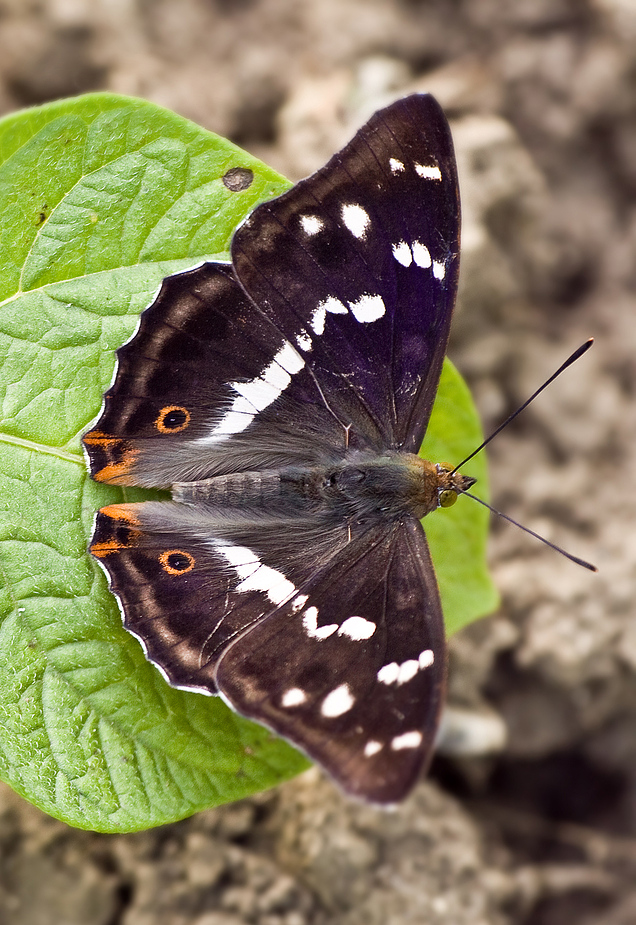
(101, 197)
(457, 535)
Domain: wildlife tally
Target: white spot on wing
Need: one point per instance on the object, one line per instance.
(311, 224)
(275, 374)
(243, 406)
(232, 422)
(428, 172)
(273, 583)
(334, 306)
(289, 359)
(318, 319)
(402, 253)
(421, 254)
(330, 304)
(372, 748)
(395, 165)
(408, 670)
(368, 308)
(293, 697)
(406, 740)
(256, 394)
(357, 628)
(400, 674)
(439, 270)
(254, 575)
(310, 624)
(339, 701)
(388, 674)
(304, 341)
(243, 560)
(356, 219)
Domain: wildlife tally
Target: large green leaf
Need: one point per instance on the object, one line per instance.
(101, 197)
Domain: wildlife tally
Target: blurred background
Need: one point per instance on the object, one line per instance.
(541, 95)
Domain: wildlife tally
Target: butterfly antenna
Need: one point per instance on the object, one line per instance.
(587, 565)
(571, 359)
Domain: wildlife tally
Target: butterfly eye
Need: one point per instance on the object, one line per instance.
(176, 562)
(445, 467)
(447, 497)
(172, 419)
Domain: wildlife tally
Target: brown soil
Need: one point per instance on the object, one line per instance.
(542, 98)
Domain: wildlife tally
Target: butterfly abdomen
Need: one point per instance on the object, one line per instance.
(259, 490)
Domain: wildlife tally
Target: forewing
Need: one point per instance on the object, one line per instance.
(351, 669)
(331, 340)
(361, 260)
(208, 385)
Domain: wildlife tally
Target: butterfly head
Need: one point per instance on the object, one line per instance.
(430, 485)
(451, 484)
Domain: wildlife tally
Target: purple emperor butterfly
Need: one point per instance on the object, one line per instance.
(282, 398)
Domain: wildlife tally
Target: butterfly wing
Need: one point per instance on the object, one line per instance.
(327, 333)
(358, 674)
(333, 638)
(203, 388)
(176, 568)
(362, 260)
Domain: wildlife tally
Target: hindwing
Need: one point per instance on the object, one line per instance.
(333, 638)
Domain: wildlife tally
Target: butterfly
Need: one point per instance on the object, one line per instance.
(282, 398)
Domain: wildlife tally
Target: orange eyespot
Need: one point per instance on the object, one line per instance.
(176, 561)
(447, 497)
(172, 419)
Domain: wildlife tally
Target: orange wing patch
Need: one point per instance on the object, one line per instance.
(109, 536)
(112, 458)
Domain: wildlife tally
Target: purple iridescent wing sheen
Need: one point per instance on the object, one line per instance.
(358, 266)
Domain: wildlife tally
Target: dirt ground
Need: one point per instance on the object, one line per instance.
(542, 100)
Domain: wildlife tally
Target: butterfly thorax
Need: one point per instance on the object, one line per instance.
(391, 484)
